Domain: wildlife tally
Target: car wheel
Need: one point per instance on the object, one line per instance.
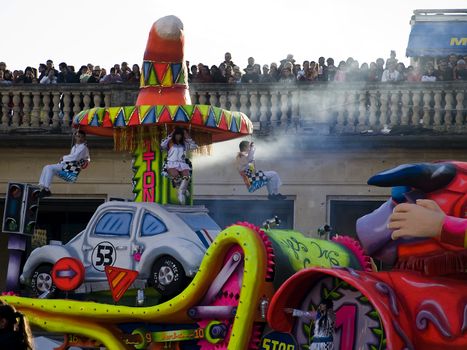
(41, 281)
(168, 276)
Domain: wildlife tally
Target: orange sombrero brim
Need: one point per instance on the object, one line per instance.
(221, 124)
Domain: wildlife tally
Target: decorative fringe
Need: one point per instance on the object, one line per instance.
(355, 247)
(128, 139)
(444, 263)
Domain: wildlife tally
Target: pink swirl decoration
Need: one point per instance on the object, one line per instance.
(433, 312)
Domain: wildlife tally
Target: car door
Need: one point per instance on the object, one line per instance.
(109, 243)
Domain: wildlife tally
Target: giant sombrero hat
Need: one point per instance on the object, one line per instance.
(163, 100)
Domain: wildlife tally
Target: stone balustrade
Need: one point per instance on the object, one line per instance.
(333, 108)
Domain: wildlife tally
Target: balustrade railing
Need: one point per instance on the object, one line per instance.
(335, 108)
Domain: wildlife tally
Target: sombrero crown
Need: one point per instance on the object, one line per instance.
(163, 100)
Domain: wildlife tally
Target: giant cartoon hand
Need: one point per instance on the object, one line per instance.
(423, 219)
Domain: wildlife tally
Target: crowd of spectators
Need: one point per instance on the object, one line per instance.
(287, 71)
(66, 74)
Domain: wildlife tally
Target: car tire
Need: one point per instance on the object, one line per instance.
(168, 276)
(41, 281)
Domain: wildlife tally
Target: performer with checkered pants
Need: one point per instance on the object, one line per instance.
(70, 162)
(255, 179)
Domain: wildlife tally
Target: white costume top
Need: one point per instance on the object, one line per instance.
(78, 152)
(176, 154)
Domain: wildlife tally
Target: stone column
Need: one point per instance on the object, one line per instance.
(264, 109)
(448, 107)
(87, 100)
(284, 107)
(107, 99)
(244, 102)
(16, 109)
(384, 99)
(373, 109)
(350, 102)
(36, 109)
(66, 111)
(416, 97)
(213, 99)
(203, 99)
(233, 99)
(5, 111)
(405, 107)
(56, 110)
(254, 106)
(26, 110)
(394, 118)
(341, 98)
(437, 116)
(426, 108)
(97, 99)
(274, 108)
(76, 103)
(223, 100)
(45, 117)
(362, 111)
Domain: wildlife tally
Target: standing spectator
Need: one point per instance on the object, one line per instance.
(3, 80)
(331, 69)
(379, 68)
(414, 74)
(204, 76)
(251, 63)
(430, 73)
(65, 76)
(2, 66)
(322, 70)
(302, 72)
(50, 66)
(288, 59)
(452, 61)
(228, 73)
(364, 72)
(27, 78)
(251, 75)
(373, 73)
(193, 73)
(83, 75)
(444, 71)
(96, 75)
(125, 71)
(266, 77)
(287, 74)
(460, 72)
(402, 72)
(392, 58)
(353, 71)
(42, 71)
(50, 78)
(228, 60)
(134, 76)
(274, 72)
(341, 71)
(112, 78)
(217, 76)
(236, 78)
(117, 69)
(390, 75)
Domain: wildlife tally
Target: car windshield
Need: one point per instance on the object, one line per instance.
(198, 221)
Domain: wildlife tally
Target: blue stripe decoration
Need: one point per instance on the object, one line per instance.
(233, 126)
(176, 68)
(181, 116)
(120, 119)
(202, 239)
(150, 116)
(211, 119)
(146, 68)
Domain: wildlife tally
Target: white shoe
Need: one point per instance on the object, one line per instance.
(181, 198)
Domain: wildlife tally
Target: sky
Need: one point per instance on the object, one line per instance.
(104, 32)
